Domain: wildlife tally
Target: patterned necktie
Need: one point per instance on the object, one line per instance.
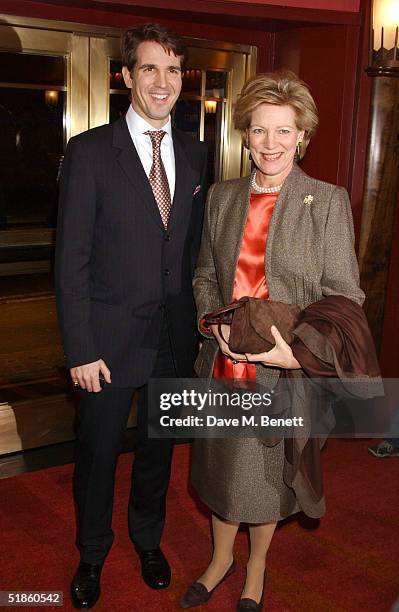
(157, 177)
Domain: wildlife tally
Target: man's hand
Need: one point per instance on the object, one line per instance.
(224, 347)
(279, 356)
(87, 375)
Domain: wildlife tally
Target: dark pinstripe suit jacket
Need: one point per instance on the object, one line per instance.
(117, 269)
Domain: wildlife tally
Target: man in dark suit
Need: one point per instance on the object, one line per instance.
(131, 207)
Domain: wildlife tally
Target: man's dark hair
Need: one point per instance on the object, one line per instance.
(152, 32)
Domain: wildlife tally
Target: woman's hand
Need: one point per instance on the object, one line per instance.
(224, 347)
(280, 356)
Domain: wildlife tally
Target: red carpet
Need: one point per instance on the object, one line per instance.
(350, 561)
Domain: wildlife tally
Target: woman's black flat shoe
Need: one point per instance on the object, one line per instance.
(197, 594)
(249, 605)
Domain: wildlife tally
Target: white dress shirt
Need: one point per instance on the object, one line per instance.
(137, 126)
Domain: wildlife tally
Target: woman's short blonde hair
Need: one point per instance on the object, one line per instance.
(282, 87)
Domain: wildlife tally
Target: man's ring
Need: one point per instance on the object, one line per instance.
(75, 383)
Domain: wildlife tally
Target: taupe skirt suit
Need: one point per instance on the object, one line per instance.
(309, 254)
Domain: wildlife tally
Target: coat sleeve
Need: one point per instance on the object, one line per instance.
(206, 289)
(341, 272)
(75, 229)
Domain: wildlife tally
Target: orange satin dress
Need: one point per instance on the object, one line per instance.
(250, 277)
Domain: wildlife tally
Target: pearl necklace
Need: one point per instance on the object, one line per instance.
(259, 189)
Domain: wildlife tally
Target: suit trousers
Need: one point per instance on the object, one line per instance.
(103, 418)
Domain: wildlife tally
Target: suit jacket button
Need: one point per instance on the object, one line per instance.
(167, 238)
(166, 272)
(161, 306)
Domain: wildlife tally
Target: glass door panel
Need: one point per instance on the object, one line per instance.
(119, 97)
(32, 110)
(201, 111)
(43, 74)
(213, 130)
(187, 117)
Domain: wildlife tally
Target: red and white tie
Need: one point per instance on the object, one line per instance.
(157, 177)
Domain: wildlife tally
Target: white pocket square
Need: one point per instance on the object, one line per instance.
(196, 190)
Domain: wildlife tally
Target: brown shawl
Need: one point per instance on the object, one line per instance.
(333, 344)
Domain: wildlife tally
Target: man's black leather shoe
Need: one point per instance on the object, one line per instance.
(154, 568)
(85, 587)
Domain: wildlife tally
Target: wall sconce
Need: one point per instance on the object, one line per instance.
(381, 182)
(210, 107)
(51, 98)
(385, 32)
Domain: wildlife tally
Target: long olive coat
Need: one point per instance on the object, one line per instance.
(309, 254)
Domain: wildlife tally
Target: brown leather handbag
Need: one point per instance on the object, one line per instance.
(250, 320)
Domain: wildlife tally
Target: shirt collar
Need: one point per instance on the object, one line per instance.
(138, 125)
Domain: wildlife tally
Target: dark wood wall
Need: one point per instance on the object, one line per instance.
(311, 52)
(389, 358)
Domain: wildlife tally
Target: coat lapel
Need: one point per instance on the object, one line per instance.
(288, 197)
(131, 165)
(186, 180)
(235, 221)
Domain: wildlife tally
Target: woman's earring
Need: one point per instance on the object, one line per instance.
(247, 146)
(298, 151)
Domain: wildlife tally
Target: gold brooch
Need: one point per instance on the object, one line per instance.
(308, 199)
